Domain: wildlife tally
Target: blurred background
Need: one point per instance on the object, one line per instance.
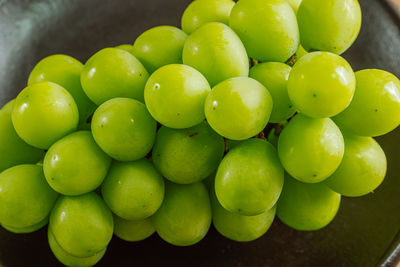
(366, 230)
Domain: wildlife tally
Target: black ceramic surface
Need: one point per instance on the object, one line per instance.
(364, 232)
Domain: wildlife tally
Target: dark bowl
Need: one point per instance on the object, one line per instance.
(364, 233)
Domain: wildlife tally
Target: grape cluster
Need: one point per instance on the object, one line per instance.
(247, 112)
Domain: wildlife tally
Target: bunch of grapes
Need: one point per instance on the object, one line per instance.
(247, 112)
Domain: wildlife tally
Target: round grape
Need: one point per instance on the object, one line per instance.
(133, 230)
(175, 96)
(310, 149)
(321, 84)
(238, 108)
(127, 48)
(124, 129)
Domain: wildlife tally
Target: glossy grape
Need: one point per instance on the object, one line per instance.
(127, 48)
(189, 155)
(28, 229)
(43, 113)
(216, 51)
(13, 150)
(307, 207)
(25, 197)
(133, 190)
(124, 129)
(199, 13)
(238, 108)
(321, 84)
(75, 165)
(239, 227)
(375, 109)
(159, 46)
(249, 179)
(175, 96)
(274, 76)
(65, 71)
(310, 149)
(112, 73)
(185, 215)
(362, 170)
(82, 225)
(69, 260)
(268, 29)
(133, 231)
(329, 25)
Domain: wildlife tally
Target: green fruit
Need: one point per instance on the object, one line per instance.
(27, 230)
(25, 197)
(133, 190)
(159, 46)
(307, 207)
(375, 109)
(189, 155)
(69, 260)
(43, 113)
(13, 150)
(199, 13)
(133, 230)
(127, 48)
(362, 170)
(268, 29)
(274, 76)
(185, 215)
(82, 225)
(112, 73)
(64, 71)
(175, 96)
(249, 179)
(310, 149)
(238, 108)
(217, 52)
(239, 227)
(8, 107)
(75, 165)
(124, 129)
(321, 84)
(329, 25)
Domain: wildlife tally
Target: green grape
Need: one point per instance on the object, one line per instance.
(112, 73)
(362, 170)
(189, 155)
(133, 190)
(64, 71)
(233, 143)
(82, 225)
(273, 138)
(310, 149)
(75, 165)
(249, 179)
(185, 215)
(43, 113)
(274, 76)
(124, 129)
(329, 25)
(238, 108)
(239, 227)
(8, 107)
(175, 96)
(295, 4)
(127, 48)
(69, 260)
(268, 29)
(25, 197)
(375, 109)
(321, 84)
(133, 230)
(301, 52)
(199, 13)
(217, 52)
(160, 46)
(307, 207)
(28, 229)
(13, 150)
